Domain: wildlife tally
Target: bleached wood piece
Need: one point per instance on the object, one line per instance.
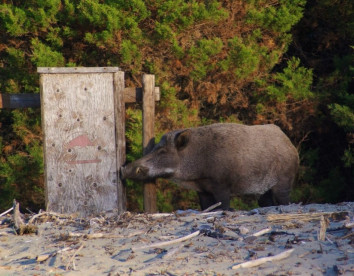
(323, 224)
(160, 215)
(262, 232)
(78, 118)
(18, 222)
(48, 214)
(212, 207)
(166, 243)
(215, 213)
(72, 257)
(74, 70)
(6, 212)
(105, 235)
(280, 218)
(263, 260)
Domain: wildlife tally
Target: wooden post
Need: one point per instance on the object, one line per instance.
(149, 137)
(118, 83)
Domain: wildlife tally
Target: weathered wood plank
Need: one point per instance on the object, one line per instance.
(118, 86)
(150, 205)
(76, 70)
(24, 100)
(133, 95)
(78, 117)
(12, 101)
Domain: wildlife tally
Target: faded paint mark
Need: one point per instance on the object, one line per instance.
(80, 141)
(84, 161)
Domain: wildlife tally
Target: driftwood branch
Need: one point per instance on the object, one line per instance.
(210, 213)
(262, 232)
(6, 212)
(160, 215)
(53, 214)
(212, 207)
(44, 257)
(19, 225)
(105, 236)
(18, 222)
(68, 265)
(349, 225)
(161, 244)
(263, 260)
(281, 218)
(324, 222)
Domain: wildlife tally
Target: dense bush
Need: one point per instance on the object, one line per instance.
(248, 61)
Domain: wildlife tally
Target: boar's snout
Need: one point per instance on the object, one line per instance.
(134, 172)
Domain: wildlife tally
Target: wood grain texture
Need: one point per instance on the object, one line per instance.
(118, 85)
(78, 121)
(150, 205)
(132, 94)
(76, 70)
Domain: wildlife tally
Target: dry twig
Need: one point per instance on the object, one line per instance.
(263, 260)
(48, 214)
(212, 207)
(160, 215)
(104, 236)
(6, 212)
(44, 257)
(262, 232)
(161, 244)
(72, 258)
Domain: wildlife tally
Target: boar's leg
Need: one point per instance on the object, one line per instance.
(206, 200)
(212, 193)
(266, 199)
(223, 196)
(275, 196)
(281, 196)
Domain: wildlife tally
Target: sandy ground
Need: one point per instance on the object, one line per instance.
(135, 244)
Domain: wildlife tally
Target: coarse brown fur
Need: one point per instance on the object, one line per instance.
(221, 160)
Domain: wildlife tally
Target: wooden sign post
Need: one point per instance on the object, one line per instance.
(150, 205)
(84, 141)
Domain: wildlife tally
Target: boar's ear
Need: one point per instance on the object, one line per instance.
(182, 139)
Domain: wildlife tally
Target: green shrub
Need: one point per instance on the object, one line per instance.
(295, 81)
(200, 54)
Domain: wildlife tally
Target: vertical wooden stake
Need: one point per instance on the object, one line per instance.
(149, 137)
(118, 82)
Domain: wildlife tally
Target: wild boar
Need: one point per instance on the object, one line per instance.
(221, 160)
